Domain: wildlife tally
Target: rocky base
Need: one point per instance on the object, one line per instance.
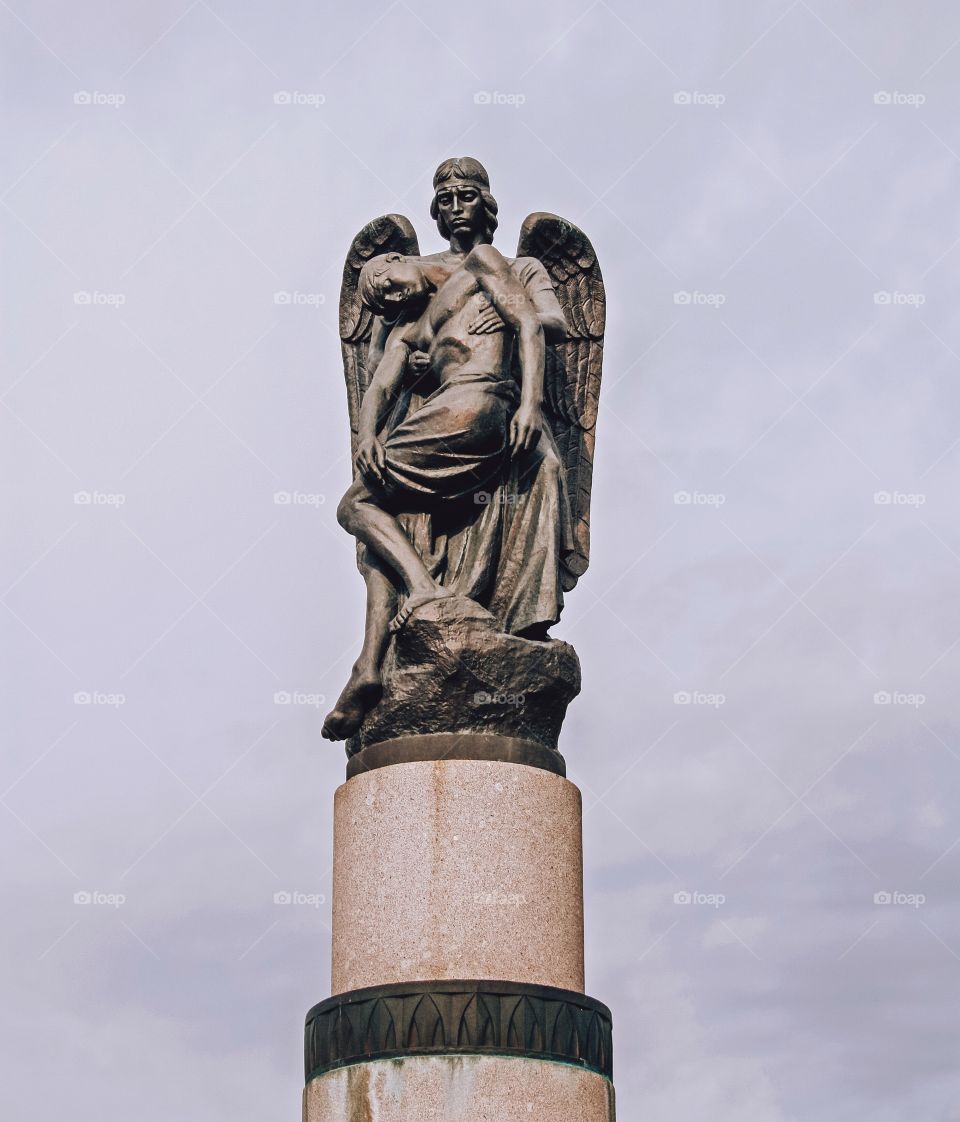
(452, 670)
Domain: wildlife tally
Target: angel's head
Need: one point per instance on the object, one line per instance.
(390, 284)
(462, 203)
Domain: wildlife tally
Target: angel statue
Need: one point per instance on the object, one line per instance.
(472, 386)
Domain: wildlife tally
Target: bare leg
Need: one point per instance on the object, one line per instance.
(360, 515)
(363, 690)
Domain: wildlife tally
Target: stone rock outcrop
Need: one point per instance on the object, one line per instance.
(451, 670)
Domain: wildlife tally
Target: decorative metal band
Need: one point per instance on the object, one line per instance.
(455, 746)
(456, 1018)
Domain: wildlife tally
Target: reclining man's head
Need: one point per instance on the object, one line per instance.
(391, 284)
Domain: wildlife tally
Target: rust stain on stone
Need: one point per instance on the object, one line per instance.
(358, 1094)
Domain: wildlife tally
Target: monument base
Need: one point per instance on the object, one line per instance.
(451, 668)
(459, 1089)
(452, 869)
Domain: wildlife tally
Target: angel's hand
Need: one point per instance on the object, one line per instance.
(486, 323)
(418, 362)
(370, 458)
(525, 428)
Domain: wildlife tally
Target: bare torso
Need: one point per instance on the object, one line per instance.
(443, 330)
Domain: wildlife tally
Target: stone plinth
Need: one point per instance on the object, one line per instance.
(452, 670)
(459, 1089)
(457, 869)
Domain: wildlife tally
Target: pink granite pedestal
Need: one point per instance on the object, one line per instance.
(458, 969)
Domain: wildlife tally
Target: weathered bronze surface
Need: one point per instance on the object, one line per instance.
(451, 669)
(472, 386)
(450, 1018)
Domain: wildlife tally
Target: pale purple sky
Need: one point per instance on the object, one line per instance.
(792, 168)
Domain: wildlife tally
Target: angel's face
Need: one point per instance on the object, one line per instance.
(461, 207)
(402, 282)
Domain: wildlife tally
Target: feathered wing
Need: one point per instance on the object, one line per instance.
(573, 367)
(387, 234)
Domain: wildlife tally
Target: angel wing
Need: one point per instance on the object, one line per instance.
(573, 367)
(389, 233)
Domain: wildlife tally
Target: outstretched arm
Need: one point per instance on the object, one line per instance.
(508, 296)
(370, 458)
(379, 332)
(538, 286)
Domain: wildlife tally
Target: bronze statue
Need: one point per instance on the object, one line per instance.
(472, 385)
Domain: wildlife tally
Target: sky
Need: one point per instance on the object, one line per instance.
(766, 740)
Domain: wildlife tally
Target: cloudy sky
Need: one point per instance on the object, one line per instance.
(770, 631)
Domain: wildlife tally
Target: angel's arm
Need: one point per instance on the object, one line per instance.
(510, 299)
(379, 331)
(536, 280)
(539, 287)
(386, 378)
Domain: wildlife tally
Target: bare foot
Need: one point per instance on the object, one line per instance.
(359, 696)
(417, 600)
